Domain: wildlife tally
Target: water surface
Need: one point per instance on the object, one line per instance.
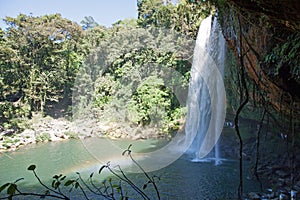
(183, 179)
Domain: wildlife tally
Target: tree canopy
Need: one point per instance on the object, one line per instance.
(49, 60)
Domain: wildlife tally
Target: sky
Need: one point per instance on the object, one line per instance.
(104, 12)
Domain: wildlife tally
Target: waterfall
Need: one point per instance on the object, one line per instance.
(206, 96)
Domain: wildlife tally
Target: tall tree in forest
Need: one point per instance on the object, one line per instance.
(42, 55)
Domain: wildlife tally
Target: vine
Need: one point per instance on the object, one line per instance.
(244, 100)
(257, 148)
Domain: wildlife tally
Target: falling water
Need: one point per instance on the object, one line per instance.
(206, 98)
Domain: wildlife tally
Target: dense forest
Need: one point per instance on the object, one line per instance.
(46, 59)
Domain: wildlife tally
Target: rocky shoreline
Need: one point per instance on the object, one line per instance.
(45, 129)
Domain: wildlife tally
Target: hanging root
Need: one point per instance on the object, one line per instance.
(244, 92)
(257, 149)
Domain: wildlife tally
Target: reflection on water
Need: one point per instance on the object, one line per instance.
(181, 180)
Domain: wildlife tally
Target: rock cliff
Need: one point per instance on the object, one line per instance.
(269, 42)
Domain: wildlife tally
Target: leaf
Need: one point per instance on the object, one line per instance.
(31, 168)
(4, 186)
(69, 182)
(11, 189)
(62, 178)
(91, 175)
(145, 186)
(57, 184)
(76, 185)
(53, 183)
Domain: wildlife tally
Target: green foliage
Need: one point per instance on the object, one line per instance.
(42, 62)
(39, 59)
(8, 142)
(105, 88)
(92, 38)
(184, 17)
(257, 99)
(284, 59)
(82, 96)
(42, 137)
(151, 103)
(131, 75)
(175, 120)
(14, 116)
(72, 135)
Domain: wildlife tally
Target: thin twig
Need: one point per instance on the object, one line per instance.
(86, 185)
(45, 186)
(146, 174)
(127, 180)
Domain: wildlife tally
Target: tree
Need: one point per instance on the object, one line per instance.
(42, 56)
(88, 22)
(92, 38)
(129, 76)
(151, 103)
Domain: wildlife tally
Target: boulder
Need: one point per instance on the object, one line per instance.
(254, 196)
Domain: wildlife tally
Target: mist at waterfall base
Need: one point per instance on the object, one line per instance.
(206, 98)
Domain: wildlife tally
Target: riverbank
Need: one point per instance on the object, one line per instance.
(46, 129)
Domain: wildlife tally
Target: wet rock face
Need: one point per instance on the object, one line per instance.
(283, 13)
(263, 24)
